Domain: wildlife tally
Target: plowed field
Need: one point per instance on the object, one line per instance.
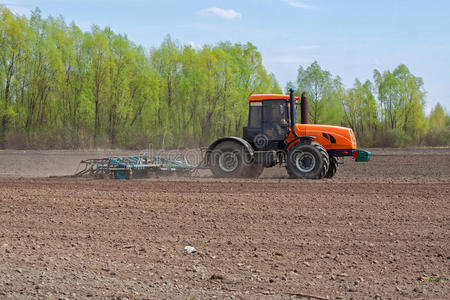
(377, 230)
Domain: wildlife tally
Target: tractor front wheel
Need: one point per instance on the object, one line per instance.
(230, 159)
(307, 160)
(333, 167)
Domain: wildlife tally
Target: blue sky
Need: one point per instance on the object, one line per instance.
(349, 38)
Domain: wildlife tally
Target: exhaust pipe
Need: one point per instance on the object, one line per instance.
(304, 109)
(292, 114)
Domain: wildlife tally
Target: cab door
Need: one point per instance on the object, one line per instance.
(275, 120)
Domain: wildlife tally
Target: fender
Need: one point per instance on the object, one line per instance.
(299, 139)
(241, 141)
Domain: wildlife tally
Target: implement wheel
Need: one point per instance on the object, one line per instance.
(308, 160)
(230, 159)
(332, 168)
(122, 174)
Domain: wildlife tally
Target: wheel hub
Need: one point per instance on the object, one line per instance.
(305, 162)
(228, 161)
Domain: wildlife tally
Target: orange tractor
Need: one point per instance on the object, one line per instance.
(273, 137)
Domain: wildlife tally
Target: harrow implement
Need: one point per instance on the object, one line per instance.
(142, 165)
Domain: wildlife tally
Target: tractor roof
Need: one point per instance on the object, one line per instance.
(261, 97)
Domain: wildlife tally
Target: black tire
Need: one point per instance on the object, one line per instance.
(332, 168)
(255, 171)
(307, 160)
(291, 176)
(230, 159)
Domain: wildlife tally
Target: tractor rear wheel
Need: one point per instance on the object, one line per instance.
(230, 159)
(308, 160)
(332, 168)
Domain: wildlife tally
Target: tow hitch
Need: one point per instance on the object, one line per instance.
(361, 155)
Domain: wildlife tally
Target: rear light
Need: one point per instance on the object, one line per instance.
(345, 153)
(355, 154)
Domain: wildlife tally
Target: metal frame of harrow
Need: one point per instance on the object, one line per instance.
(102, 167)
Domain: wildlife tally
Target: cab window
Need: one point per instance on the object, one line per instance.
(274, 112)
(255, 116)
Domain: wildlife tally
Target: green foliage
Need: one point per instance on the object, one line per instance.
(437, 137)
(323, 91)
(438, 133)
(430, 279)
(64, 88)
(437, 118)
(388, 112)
(361, 112)
(392, 138)
(402, 100)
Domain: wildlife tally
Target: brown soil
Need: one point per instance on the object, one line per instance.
(377, 230)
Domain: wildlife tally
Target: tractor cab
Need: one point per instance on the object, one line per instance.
(268, 121)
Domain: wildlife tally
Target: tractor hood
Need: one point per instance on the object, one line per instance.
(331, 137)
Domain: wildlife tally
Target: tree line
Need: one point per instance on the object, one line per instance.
(61, 87)
(385, 112)
(64, 88)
